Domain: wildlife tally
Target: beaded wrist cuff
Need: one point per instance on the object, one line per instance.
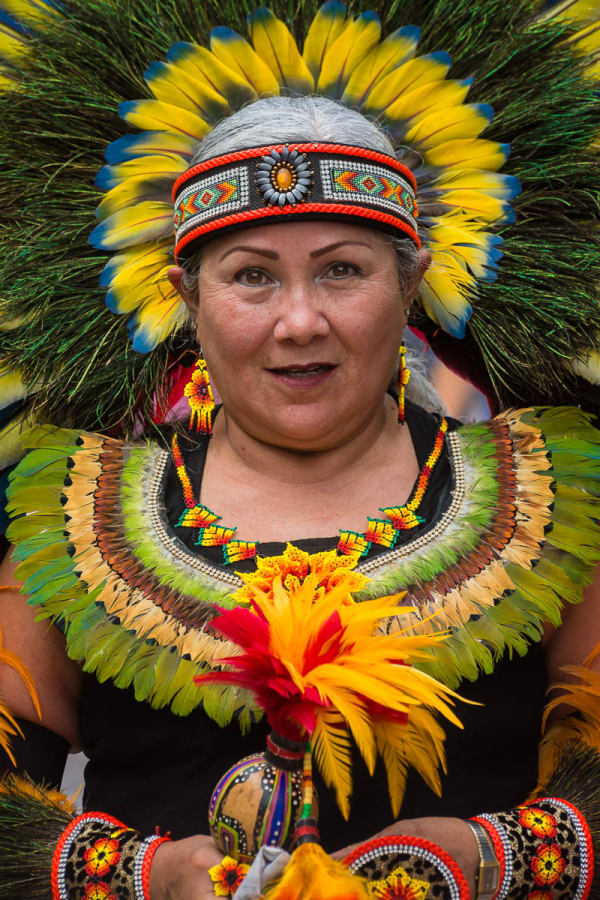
(307, 181)
(99, 858)
(408, 867)
(545, 850)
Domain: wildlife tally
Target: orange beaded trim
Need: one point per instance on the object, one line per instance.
(379, 531)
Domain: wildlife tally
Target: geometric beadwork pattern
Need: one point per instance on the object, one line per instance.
(367, 182)
(217, 194)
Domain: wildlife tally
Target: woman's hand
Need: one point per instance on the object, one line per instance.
(452, 835)
(179, 869)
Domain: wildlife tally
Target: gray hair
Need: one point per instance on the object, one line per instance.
(277, 120)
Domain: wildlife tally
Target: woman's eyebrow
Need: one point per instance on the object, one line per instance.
(270, 253)
(323, 250)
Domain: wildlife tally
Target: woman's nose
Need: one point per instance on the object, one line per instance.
(301, 316)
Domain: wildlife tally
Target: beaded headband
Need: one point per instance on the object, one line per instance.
(309, 181)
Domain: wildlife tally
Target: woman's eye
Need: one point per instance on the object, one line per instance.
(253, 277)
(341, 270)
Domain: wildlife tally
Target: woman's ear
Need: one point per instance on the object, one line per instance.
(424, 261)
(175, 276)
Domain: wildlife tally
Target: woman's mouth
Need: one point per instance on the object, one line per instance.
(303, 377)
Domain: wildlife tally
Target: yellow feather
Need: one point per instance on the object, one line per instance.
(149, 166)
(426, 99)
(11, 447)
(588, 368)
(276, 46)
(442, 125)
(171, 84)
(155, 115)
(471, 153)
(572, 11)
(12, 387)
(146, 221)
(8, 725)
(326, 26)
(134, 287)
(31, 12)
(157, 186)
(464, 239)
(131, 267)
(345, 53)
(238, 55)
(200, 64)
(333, 755)
(396, 49)
(13, 48)
(313, 875)
(159, 315)
(423, 70)
(444, 290)
(474, 203)
(587, 41)
(7, 83)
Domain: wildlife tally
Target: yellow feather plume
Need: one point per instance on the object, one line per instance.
(240, 56)
(585, 11)
(205, 67)
(170, 83)
(588, 368)
(146, 221)
(344, 54)
(443, 125)
(8, 726)
(313, 875)
(276, 46)
(582, 697)
(326, 26)
(444, 290)
(344, 675)
(31, 12)
(13, 48)
(396, 49)
(156, 115)
(416, 72)
(469, 153)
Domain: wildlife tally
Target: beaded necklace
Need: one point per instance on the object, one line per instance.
(384, 532)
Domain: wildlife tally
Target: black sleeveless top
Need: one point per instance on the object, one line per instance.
(151, 768)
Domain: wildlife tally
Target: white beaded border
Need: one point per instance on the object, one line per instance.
(138, 865)
(239, 172)
(180, 552)
(508, 855)
(581, 837)
(412, 850)
(172, 544)
(457, 464)
(66, 849)
(329, 192)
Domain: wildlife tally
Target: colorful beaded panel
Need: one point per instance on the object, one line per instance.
(213, 195)
(99, 858)
(402, 867)
(310, 180)
(365, 181)
(383, 532)
(546, 849)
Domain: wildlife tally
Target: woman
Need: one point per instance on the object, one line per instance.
(300, 323)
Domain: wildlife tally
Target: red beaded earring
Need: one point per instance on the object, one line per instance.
(198, 390)
(403, 379)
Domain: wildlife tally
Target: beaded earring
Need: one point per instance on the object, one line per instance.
(198, 390)
(403, 379)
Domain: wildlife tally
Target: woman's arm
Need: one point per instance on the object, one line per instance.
(570, 644)
(41, 647)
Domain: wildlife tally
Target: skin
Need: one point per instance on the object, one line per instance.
(276, 447)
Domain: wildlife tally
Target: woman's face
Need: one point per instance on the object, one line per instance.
(300, 325)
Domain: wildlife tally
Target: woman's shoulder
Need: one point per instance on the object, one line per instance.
(519, 539)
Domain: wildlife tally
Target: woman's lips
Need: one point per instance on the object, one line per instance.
(303, 378)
